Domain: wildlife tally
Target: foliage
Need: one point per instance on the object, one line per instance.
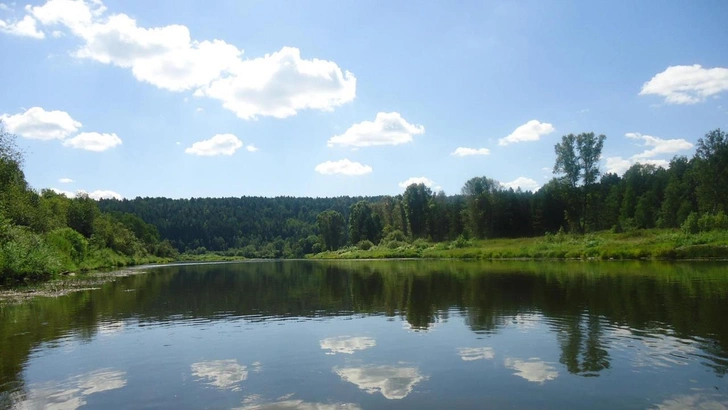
(43, 234)
(331, 225)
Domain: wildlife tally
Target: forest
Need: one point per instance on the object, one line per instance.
(43, 233)
(691, 194)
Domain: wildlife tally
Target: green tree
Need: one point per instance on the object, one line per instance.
(416, 200)
(364, 223)
(478, 193)
(712, 171)
(331, 226)
(577, 158)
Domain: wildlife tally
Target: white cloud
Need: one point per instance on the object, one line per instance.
(104, 194)
(66, 180)
(657, 146)
(530, 131)
(199, 109)
(24, 28)
(526, 184)
(346, 344)
(343, 167)
(68, 194)
(251, 148)
(464, 152)
(476, 353)
(220, 144)
(281, 84)
(93, 141)
(37, 123)
(278, 84)
(687, 84)
(393, 382)
(386, 129)
(417, 180)
(534, 370)
(704, 399)
(57, 34)
(4, 6)
(223, 374)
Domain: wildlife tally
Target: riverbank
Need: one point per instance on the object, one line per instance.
(639, 244)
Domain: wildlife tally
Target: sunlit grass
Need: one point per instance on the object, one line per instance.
(643, 244)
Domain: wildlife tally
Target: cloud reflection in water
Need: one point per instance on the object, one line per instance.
(71, 393)
(223, 374)
(393, 382)
(346, 344)
(534, 370)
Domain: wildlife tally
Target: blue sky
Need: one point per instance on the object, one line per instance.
(328, 98)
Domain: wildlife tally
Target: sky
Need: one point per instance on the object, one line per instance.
(229, 98)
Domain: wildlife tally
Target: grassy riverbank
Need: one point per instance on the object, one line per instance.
(639, 244)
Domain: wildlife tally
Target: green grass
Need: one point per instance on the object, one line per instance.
(642, 244)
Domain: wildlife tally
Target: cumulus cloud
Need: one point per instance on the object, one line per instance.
(687, 84)
(534, 370)
(281, 84)
(470, 354)
(251, 148)
(93, 141)
(346, 344)
(526, 184)
(342, 167)
(530, 131)
(393, 382)
(388, 128)
(104, 194)
(466, 152)
(37, 123)
(659, 145)
(656, 147)
(223, 374)
(220, 144)
(68, 194)
(417, 180)
(278, 84)
(24, 28)
(66, 180)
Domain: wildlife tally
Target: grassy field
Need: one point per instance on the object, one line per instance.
(640, 244)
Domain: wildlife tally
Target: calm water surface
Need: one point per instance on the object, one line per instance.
(377, 335)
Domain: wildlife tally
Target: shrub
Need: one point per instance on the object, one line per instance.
(69, 242)
(24, 256)
(460, 242)
(691, 224)
(395, 235)
(365, 245)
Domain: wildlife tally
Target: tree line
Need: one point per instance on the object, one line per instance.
(45, 233)
(690, 193)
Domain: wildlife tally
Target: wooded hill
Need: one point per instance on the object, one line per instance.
(692, 193)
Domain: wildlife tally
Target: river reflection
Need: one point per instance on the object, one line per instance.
(361, 335)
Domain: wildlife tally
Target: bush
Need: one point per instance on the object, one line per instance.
(395, 235)
(69, 242)
(691, 224)
(395, 244)
(24, 256)
(365, 245)
(460, 242)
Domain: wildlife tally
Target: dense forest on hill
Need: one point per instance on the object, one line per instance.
(44, 233)
(692, 193)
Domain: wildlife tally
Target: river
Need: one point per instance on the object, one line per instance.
(377, 335)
